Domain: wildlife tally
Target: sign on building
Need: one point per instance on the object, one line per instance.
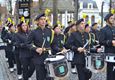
(24, 9)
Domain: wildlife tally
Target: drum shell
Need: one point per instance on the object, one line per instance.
(110, 57)
(53, 66)
(69, 55)
(95, 62)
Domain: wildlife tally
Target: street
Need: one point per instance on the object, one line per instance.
(6, 75)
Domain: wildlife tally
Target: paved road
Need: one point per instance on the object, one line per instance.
(6, 75)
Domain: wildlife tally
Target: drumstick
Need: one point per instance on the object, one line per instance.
(62, 52)
(86, 44)
(43, 43)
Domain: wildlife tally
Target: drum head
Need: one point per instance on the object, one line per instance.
(56, 58)
(110, 57)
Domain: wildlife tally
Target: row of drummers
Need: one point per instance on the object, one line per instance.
(29, 48)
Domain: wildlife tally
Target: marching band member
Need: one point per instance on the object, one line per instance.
(58, 41)
(72, 28)
(68, 27)
(16, 54)
(41, 39)
(76, 42)
(3, 34)
(95, 31)
(9, 39)
(94, 44)
(107, 38)
(25, 54)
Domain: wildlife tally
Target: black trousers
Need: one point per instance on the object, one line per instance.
(110, 71)
(11, 59)
(6, 53)
(41, 72)
(18, 63)
(27, 67)
(81, 71)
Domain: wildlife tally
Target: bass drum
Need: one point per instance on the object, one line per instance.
(95, 62)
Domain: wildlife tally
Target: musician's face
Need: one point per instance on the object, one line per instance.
(73, 28)
(87, 29)
(82, 26)
(42, 21)
(111, 20)
(24, 27)
(57, 30)
(12, 29)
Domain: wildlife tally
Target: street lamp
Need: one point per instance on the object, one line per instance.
(110, 5)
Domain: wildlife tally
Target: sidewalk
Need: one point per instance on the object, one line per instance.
(4, 72)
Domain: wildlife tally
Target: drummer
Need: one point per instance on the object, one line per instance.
(41, 39)
(59, 40)
(107, 38)
(76, 42)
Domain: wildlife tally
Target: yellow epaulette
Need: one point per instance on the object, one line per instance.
(93, 36)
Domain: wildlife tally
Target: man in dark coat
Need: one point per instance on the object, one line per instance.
(76, 42)
(41, 39)
(107, 38)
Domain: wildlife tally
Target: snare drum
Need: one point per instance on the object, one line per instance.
(95, 62)
(57, 67)
(110, 57)
(69, 55)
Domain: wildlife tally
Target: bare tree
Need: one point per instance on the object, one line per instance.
(55, 14)
(76, 3)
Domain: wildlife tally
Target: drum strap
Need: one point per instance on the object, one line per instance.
(64, 39)
(52, 37)
(91, 37)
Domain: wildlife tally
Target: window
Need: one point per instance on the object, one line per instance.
(81, 5)
(90, 6)
(92, 19)
(87, 19)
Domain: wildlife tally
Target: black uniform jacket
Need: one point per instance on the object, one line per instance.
(96, 33)
(9, 39)
(75, 41)
(21, 39)
(107, 34)
(58, 43)
(37, 39)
